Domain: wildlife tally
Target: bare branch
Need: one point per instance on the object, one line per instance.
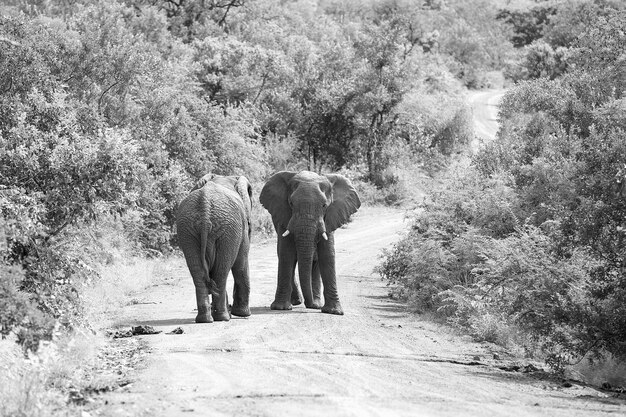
(104, 92)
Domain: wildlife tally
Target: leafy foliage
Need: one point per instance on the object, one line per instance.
(534, 240)
(550, 34)
(445, 240)
(528, 25)
(109, 111)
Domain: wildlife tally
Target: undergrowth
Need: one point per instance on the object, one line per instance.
(471, 259)
(55, 368)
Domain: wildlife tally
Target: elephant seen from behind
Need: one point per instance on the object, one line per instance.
(306, 208)
(213, 224)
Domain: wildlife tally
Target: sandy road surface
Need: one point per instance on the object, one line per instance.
(377, 360)
(485, 114)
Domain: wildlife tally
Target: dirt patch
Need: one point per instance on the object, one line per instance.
(115, 368)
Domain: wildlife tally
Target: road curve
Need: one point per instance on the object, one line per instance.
(376, 360)
(484, 105)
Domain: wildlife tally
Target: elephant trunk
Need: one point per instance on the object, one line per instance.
(306, 243)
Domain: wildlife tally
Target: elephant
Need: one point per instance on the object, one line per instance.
(213, 225)
(306, 208)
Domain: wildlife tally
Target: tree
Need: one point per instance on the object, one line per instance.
(528, 25)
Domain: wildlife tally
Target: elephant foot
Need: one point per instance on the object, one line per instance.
(316, 304)
(221, 316)
(296, 300)
(204, 318)
(334, 308)
(240, 311)
(277, 305)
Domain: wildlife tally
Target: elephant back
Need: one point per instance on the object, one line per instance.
(214, 208)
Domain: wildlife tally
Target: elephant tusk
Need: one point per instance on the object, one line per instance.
(325, 236)
(286, 233)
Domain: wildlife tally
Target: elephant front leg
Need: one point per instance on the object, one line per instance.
(316, 286)
(296, 294)
(326, 260)
(286, 268)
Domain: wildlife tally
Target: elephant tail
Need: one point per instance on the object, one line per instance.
(205, 264)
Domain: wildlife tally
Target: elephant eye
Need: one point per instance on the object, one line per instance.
(324, 205)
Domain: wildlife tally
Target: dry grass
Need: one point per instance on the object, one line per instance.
(63, 373)
(60, 378)
(607, 372)
(119, 284)
(39, 385)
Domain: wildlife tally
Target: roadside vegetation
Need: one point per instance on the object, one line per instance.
(524, 246)
(109, 111)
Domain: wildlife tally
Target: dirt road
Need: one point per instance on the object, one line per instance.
(485, 114)
(377, 360)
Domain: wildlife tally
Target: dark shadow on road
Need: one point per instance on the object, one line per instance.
(387, 305)
(267, 310)
(553, 382)
(166, 322)
(377, 297)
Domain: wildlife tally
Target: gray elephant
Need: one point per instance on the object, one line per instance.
(213, 224)
(306, 208)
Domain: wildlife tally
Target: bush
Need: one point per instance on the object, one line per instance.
(541, 60)
(420, 269)
(58, 181)
(446, 237)
(20, 312)
(432, 124)
(391, 189)
(522, 280)
(558, 165)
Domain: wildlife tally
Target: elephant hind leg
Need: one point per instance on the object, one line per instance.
(219, 275)
(204, 306)
(219, 308)
(197, 268)
(241, 290)
(202, 292)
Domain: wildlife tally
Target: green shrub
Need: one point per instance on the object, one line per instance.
(570, 171)
(19, 312)
(558, 165)
(420, 268)
(522, 280)
(541, 60)
(446, 238)
(527, 25)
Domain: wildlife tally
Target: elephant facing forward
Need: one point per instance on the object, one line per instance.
(306, 208)
(213, 224)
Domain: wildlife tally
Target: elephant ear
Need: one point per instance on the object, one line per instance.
(345, 202)
(243, 187)
(275, 197)
(202, 181)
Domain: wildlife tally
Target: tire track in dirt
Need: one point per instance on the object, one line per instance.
(377, 360)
